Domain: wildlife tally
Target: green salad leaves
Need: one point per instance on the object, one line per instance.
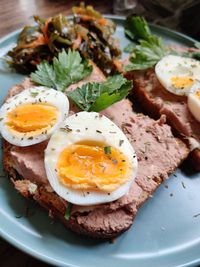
(147, 49)
(68, 68)
(150, 48)
(65, 70)
(98, 96)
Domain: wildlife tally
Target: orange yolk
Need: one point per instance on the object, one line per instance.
(88, 167)
(32, 118)
(197, 94)
(182, 82)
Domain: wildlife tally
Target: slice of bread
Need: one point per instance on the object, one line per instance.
(159, 154)
(156, 101)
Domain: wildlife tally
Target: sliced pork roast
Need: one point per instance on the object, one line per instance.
(156, 101)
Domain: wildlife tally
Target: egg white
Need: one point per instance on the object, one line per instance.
(194, 103)
(170, 66)
(38, 95)
(86, 126)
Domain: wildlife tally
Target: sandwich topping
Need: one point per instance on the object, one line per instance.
(33, 115)
(178, 75)
(86, 162)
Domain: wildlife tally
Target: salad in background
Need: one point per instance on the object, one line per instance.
(88, 32)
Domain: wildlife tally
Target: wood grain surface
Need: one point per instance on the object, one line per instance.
(15, 14)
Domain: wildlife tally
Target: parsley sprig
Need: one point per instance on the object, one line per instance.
(150, 48)
(147, 48)
(66, 69)
(98, 96)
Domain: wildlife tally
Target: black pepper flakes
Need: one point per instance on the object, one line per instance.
(121, 142)
(183, 185)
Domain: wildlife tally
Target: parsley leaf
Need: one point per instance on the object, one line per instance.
(98, 96)
(150, 48)
(136, 28)
(66, 69)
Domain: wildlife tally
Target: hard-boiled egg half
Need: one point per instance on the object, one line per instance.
(178, 74)
(194, 103)
(31, 116)
(89, 160)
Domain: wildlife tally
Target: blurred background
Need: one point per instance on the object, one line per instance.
(175, 14)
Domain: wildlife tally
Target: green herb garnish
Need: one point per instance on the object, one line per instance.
(150, 48)
(66, 129)
(147, 49)
(34, 94)
(66, 69)
(68, 211)
(98, 96)
(107, 149)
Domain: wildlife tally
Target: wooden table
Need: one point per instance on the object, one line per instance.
(15, 14)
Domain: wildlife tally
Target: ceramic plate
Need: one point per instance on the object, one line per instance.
(166, 231)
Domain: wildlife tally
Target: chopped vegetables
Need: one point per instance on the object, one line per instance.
(89, 33)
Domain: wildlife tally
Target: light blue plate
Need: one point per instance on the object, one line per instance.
(165, 231)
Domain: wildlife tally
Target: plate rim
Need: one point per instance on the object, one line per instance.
(32, 252)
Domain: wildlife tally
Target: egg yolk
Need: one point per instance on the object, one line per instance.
(34, 118)
(197, 94)
(182, 82)
(89, 167)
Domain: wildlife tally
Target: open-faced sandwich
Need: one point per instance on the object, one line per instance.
(167, 82)
(72, 140)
